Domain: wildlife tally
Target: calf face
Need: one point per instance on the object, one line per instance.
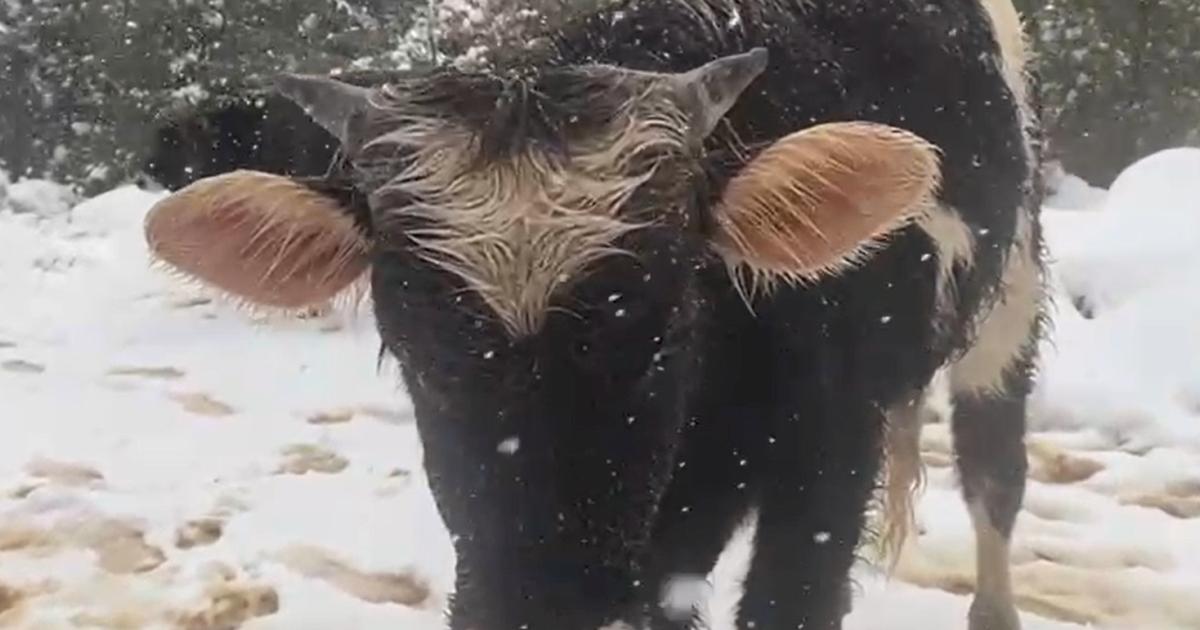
(536, 241)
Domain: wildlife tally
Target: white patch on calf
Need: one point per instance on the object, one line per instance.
(683, 594)
(1005, 331)
(1006, 25)
(955, 247)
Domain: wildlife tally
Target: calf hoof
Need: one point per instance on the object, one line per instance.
(990, 615)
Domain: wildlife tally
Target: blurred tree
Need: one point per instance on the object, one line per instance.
(80, 79)
(1121, 79)
(83, 78)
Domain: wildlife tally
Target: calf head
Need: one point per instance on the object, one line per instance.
(534, 241)
(517, 184)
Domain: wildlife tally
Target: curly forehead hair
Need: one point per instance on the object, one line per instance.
(516, 182)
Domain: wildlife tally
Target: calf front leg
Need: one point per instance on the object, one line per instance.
(813, 495)
(709, 496)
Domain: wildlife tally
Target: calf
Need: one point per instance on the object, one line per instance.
(693, 261)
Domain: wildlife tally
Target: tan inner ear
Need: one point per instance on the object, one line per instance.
(820, 199)
(263, 238)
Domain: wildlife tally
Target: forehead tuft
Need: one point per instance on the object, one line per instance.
(510, 113)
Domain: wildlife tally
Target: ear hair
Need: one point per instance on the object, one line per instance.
(821, 200)
(264, 239)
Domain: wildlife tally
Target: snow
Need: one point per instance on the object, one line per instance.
(167, 460)
(36, 196)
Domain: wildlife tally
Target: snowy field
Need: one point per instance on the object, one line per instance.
(167, 461)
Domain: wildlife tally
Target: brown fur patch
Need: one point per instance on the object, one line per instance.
(259, 237)
(821, 199)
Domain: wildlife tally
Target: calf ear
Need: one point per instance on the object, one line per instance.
(708, 92)
(820, 200)
(330, 103)
(264, 239)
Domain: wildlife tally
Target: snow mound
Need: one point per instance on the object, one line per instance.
(1165, 182)
(1068, 192)
(1125, 354)
(37, 196)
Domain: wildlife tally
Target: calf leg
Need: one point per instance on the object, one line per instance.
(988, 441)
(819, 478)
(706, 502)
(990, 384)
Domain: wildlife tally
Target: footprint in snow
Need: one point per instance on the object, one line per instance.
(10, 598)
(159, 373)
(61, 473)
(339, 416)
(120, 547)
(405, 589)
(199, 532)
(1180, 499)
(300, 459)
(230, 605)
(1052, 465)
(202, 404)
(346, 414)
(20, 366)
(191, 302)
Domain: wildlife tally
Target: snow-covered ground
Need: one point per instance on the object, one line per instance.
(167, 461)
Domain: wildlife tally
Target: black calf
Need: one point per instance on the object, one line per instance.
(633, 305)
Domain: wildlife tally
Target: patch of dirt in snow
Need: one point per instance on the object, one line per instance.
(202, 404)
(21, 366)
(377, 588)
(163, 373)
(300, 459)
(1086, 550)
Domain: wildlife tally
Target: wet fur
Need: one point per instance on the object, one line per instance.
(652, 422)
(516, 216)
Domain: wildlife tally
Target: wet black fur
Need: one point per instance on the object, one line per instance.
(654, 409)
